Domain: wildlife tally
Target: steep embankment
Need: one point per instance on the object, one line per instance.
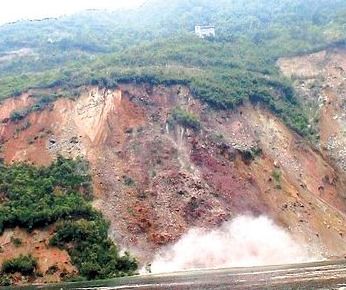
(320, 80)
(54, 263)
(154, 178)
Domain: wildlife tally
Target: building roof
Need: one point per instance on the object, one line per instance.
(205, 26)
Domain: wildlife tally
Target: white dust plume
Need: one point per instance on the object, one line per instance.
(242, 242)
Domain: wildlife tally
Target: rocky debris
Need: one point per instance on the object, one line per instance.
(68, 144)
(74, 140)
(161, 238)
(324, 92)
(196, 208)
(336, 146)
(178, 179)
(52, 141)
(293, 206)
(129, 130)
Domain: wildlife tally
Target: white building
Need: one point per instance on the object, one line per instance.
(205, 31)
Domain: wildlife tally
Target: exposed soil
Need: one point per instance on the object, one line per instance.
(320, 80)
(53, 264)
(154, 180)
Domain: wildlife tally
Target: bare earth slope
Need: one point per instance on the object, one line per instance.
(320, 79)
(154, 180)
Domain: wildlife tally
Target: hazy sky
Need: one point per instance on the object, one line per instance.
(12, 10)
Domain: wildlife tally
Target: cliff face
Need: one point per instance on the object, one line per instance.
(320, 80)
(154, 178)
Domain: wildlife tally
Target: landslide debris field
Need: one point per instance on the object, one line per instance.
(161, 132)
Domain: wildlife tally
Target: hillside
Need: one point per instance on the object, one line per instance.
(164, 132)
(143, 51)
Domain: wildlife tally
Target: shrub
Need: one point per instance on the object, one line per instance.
(185, 119)
(52, 269)
(248, 155)
(128, 181)
(16, 241)
(277, 178)
(25, 265)
(5, 280)
(92, 252)
(276, 175)
(40, 105)
(18, 115)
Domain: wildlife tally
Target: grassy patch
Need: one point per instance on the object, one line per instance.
(276, 174)
(185, 119)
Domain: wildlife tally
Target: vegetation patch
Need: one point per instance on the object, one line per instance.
(276, 174)
(92, 251)
(156, 45)
(35, 197)
(26, 265)
(5, 280)
(16, 241)
(39, 105)
(185, 119)
(39, 196)
(248, 155)
(128, 181)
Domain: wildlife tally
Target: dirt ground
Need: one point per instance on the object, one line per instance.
(154, 180)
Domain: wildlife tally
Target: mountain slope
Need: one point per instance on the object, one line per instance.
(181, 132)
(155, 178)
(143, 51)
(320, 80)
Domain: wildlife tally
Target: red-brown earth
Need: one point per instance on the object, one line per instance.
(154, 180)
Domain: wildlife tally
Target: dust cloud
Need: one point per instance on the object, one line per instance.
(244, 241)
